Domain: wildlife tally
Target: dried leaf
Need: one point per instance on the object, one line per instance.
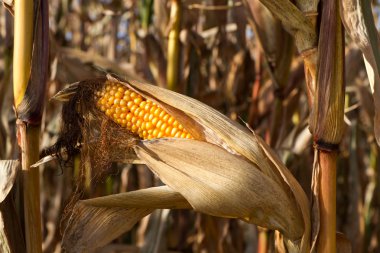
(299, 195)
(96, 222)
(276, 43)
(8, 174)
(10, 231)
(11, 235)
(96, 60)
(359, 22)
(343, 245)
(294, 22)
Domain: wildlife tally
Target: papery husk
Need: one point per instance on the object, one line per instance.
(358, 20)
(219, 183)
(96, 222)
(8, 174)
(299, 195)
(218, 129)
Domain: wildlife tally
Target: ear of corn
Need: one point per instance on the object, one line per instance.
(141, 116)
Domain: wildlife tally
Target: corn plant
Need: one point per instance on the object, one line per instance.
(255, 161)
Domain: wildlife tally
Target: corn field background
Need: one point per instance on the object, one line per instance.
(235, 56)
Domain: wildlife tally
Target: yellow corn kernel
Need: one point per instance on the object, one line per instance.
(141, 116)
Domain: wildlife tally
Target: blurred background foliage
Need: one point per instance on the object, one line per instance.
(234, 56)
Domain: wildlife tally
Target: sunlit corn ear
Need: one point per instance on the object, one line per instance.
(219, 166)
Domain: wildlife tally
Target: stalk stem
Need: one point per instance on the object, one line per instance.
(23, 43)
(262, 246)
(27, 135)
(173, 45)
(327, 202)
(29, 143)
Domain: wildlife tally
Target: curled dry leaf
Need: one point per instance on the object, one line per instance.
(244, 179)
(98, 221)
(294, 21)
(360, 25)
(8, 174)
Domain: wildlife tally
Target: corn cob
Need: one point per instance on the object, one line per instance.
(141, 116)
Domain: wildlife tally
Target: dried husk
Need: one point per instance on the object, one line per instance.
(219, 183)
(96, 222)
(239, 152)
(358, 20)
(8, 174)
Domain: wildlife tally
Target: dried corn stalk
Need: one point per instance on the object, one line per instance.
(220, 167)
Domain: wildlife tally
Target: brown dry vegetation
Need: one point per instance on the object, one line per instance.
(234, 56)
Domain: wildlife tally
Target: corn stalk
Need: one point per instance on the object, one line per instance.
(31, 49)
(172, 72)
(326, 99)
(326, 123)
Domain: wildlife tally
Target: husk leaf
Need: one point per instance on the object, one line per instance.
(299, 195)
(219, 183)
(96, 222)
